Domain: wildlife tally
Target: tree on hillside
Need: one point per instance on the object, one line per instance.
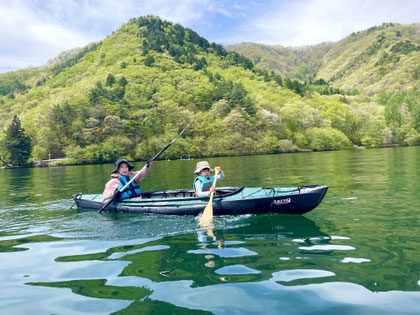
(16, 144)
(149, 61)
(110, 80)
(123, 82)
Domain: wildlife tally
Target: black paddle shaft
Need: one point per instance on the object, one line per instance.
(141, 171)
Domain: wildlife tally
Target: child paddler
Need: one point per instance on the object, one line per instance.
(203, 181)
(120, 176)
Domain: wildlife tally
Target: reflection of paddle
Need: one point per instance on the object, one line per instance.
(211, 234)
(207, 217)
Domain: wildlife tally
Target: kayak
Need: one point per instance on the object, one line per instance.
(227, 201)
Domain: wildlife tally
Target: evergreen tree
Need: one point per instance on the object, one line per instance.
(110, 80)
(123, 82)
(16, 143)
(149, 61)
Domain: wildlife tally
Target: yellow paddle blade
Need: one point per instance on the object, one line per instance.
(207, 216)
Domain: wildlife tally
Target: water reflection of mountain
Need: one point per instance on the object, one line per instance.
(257, 250)
(279, 254)
(254, 252)
(251, 253)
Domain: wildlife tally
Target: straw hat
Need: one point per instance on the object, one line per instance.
(202, 165)
(119, 162)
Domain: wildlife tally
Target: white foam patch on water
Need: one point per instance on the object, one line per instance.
(327, 247)
(317, 238)
(355, 260)
(298, 240)
(340, 238)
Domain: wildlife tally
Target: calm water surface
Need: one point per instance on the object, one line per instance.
(357, 253)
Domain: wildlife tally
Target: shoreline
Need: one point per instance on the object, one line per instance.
(61, 161)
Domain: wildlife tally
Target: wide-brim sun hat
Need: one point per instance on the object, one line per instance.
(119, 162)
(201, 166)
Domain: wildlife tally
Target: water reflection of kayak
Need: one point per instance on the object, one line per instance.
(275, 227)
(227, 201)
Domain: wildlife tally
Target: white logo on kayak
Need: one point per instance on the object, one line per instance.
(278, 202)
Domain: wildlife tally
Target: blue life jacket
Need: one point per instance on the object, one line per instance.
(207, 183)
(132, 190)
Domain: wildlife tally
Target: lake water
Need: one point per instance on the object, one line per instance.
(358, 252)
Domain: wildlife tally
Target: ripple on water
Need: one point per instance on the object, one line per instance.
(236, 270)
(326, 247)
(290, 275)
(225, 252)
(333, 237)
(355, 260)
(140, 250)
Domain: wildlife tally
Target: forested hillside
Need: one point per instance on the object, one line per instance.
(381, 58)
(131, 93)
(300, 63)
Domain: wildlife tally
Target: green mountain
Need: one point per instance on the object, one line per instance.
(131, 93)
(381, 58)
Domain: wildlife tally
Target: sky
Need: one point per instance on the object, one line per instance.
(35, 31)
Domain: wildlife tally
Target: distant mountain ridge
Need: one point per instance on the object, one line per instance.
(385, 57)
